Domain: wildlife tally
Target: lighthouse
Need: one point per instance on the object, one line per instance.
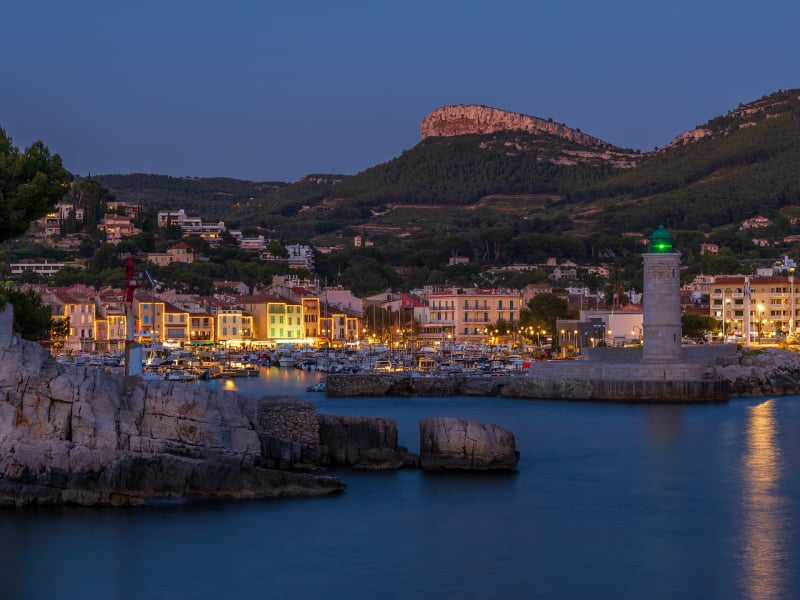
(662, 300)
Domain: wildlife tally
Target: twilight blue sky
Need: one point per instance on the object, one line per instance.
(268, 90)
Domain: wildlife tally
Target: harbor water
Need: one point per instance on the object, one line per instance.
(609, 501)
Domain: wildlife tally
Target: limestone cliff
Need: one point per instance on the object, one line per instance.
(461, 119)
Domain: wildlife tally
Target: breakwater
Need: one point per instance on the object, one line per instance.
(524, 386)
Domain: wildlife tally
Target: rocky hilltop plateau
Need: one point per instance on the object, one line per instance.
(576, 147)
(462, 119)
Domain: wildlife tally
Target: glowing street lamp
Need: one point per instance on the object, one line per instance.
(791, 292)
(726, 302)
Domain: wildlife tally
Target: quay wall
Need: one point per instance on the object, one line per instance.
(526, 386)
(400, 384)
(703, 353)
(622, 390)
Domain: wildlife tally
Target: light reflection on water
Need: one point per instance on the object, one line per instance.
(272, 381)
(763, 534)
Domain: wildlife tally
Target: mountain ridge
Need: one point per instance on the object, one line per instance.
(722, 171)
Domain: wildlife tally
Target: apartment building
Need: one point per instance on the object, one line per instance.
(469, 313)
(180, 252)
(759, 308)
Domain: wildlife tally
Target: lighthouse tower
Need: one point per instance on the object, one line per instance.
(662, 300)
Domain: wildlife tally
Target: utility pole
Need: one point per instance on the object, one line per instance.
(133, 350)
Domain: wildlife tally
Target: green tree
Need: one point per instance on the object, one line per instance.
(94, 199)
(544, 309)
(58, 332)
(277, 249)
(31, 318)
(31, 183)
(698, 326)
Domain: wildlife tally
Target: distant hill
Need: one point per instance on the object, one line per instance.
(213, 197)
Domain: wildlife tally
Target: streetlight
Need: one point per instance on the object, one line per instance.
(760, 321)
(791, 295)
(727, 301)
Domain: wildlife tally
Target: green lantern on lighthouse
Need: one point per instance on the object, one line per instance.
(661, 241)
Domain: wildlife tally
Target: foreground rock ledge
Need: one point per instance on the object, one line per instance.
(78, 435)
(75, 435)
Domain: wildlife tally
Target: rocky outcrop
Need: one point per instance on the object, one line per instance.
(81, 436)
(762, 372)
(462, 119)
(454, 444)
(689, 137)
(368, 443)
(78, 435)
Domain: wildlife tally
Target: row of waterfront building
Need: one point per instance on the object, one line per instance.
(290, 311)
(294, 311)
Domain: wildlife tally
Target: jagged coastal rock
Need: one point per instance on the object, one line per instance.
(462, 119)
(762, 372)
(368, 443)
(78, 435)
(446, 443)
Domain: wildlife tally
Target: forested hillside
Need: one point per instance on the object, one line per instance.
(747, 166)
(213, 197)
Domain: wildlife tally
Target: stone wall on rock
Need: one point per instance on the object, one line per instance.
(289, 418)
(461, 119)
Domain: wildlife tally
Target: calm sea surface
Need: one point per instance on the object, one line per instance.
(609, 501)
